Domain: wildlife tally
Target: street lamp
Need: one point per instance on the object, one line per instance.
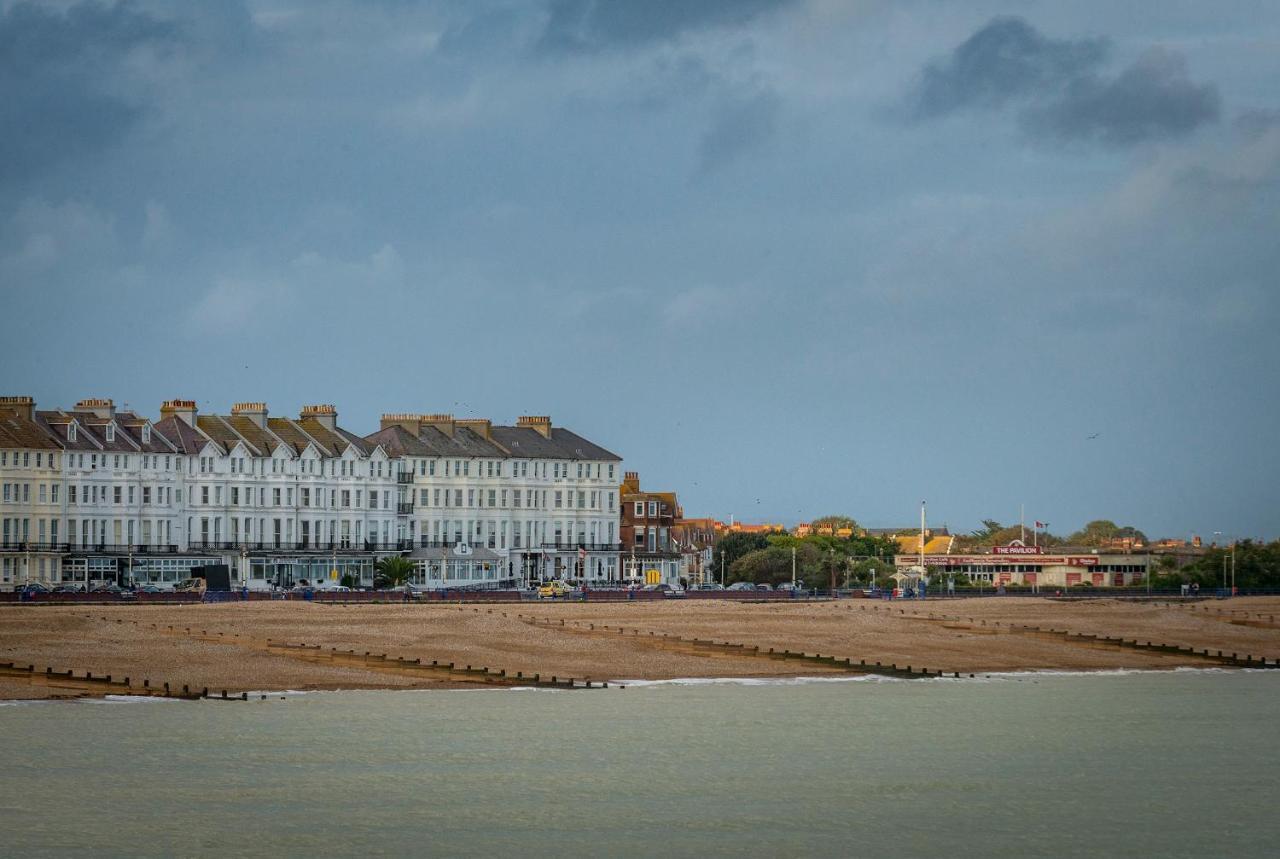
(1224, 561)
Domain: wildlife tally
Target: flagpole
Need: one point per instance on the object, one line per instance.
(1022, 523)
(922, 538)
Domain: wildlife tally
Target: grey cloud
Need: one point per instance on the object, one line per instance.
(1256, 122)
(1006, 60)
(741, 124)
(1059, 88)
(56, 75)
(1151, 99)
(585, 25)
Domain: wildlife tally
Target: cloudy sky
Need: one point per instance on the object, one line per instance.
(787, 258)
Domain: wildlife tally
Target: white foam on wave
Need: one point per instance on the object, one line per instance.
(759, 681)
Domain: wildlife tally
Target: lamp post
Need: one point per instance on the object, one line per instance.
(1224, 561)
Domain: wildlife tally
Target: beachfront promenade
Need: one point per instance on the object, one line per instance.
(274, 645)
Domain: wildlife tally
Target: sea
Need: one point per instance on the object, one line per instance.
(1168, 764)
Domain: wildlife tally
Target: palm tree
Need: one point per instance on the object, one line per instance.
(394, 570)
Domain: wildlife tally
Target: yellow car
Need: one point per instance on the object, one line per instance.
(551, 590)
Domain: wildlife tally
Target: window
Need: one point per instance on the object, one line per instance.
(115, 494)
(146, 433)
(71, 432)
(639, 509)
(558, 499)
(111, 432)
(653, 508)
(204, 495)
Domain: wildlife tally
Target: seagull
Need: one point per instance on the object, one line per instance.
(1095, 435)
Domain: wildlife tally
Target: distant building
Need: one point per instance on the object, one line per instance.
(695, 539)
(806, 529)
(1019, 564)
(649, 551)
(99, 494)
(744, 528)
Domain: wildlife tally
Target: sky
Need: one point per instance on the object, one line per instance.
(785, 257)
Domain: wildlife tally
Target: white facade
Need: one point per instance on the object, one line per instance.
(89, 493)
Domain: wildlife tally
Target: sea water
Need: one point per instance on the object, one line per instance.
(1124, 764)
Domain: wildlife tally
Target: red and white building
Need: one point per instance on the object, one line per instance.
(1019, 564)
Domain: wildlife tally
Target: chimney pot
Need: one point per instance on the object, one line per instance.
(541, 423)
(325, 413)
(184, 410)
(23, 407)
(100, 406)
(256, 412)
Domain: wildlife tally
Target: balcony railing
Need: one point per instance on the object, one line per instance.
(30, 546)
(404, 509)
(404, 477)
(590, 547)
(390, 546)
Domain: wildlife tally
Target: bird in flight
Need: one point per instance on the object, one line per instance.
(1095, 435)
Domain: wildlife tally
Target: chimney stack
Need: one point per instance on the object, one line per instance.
(480, 426)
(325, 414)
(184, 410)
(442, 422)
(541, 423)
(631, 481)
(410, 422)
(23, 407)
(256, 412)
(103, 408)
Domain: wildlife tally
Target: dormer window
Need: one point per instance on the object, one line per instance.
(111, 432)
(146, 433)
(71, 432)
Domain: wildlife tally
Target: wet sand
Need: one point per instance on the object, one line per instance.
(136, 641)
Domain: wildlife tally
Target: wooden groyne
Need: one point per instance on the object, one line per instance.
(981, 626)
(436, 670)
(712, 648)
(88, 684)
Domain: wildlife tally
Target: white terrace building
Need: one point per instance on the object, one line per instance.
(94, 494)
(90, 493)
(541, 498)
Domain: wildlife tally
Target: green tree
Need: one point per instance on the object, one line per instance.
(772, 565)
(732, 546)
(393, 571)
(1102, 532)
(1257, 565)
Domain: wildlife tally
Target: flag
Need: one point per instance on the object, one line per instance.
(1040, 524)
(582, 553)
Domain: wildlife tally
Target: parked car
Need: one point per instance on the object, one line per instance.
(710, 586)
(742, 586)
(764, 586)
(69, 589)
(31, 588)
(669, 590)
(552, 590)
(150, 589)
